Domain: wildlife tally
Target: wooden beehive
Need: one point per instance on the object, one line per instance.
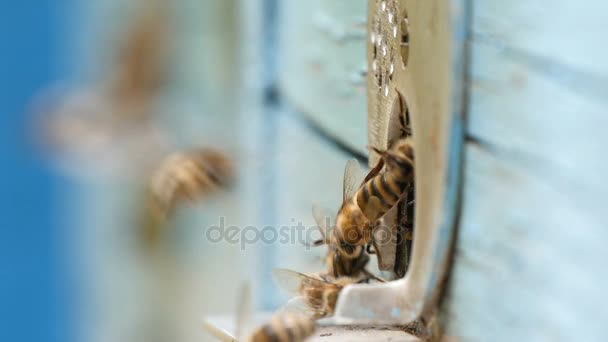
(528, 257)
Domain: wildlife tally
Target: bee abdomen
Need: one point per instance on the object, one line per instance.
(285, 328)
(386, 187)
(190, 175)
(403, 159)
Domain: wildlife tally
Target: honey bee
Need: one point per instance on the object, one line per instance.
(339, 266)
(365, 203)
(183, 176)
(389, 186)
(316, 294)
(347, 254)
(284, 327)
(378, 194)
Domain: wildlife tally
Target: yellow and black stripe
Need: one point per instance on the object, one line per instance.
(390, 185)
(287, 327)
(181, 176)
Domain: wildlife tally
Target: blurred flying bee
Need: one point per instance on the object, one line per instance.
(281, 327)
(112, 116)
(140, 67)
(183, 176)
(316, 294)
(284, 327)
(389, 186)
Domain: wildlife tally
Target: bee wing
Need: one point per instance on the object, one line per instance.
(303, 306)
(292, 281)
(353, 174)
(244, 311)
(323, 220)
(218, 332)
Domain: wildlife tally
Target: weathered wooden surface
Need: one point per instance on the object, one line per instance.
(530, 258)
(528, 263)
(323, 66)
(223, 328)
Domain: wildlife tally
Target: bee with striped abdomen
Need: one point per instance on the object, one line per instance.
(379, 192)
(316, 294)
(183, 176)
(189, 175)
(390, 185)
(284, 327)
(281, 327)
(338, 266)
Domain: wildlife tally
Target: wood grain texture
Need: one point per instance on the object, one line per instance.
(223, 329)
(323, 66)
(530, 258)
(528, 263)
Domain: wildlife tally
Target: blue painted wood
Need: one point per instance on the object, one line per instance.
(530, 256)
(322, 59)
(459, 16)
(35, 303)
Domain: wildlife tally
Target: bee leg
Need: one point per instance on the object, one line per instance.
(404, 117)
(337, 265)
(381, 153)
(360, 263)
(376, 249)
(315, 243)
(372, 276)
(369, 250)
(376, 170)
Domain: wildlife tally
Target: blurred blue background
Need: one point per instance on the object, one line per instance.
(69, 268)
(34, 287)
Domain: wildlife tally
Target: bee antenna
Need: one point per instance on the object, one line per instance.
(377, 150)
(373, 276)
(315, 243)
(388, 155)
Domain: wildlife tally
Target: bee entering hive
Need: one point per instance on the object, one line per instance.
(390, 123)
(404, 229)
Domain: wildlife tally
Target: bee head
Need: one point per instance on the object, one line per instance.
(348, 260)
